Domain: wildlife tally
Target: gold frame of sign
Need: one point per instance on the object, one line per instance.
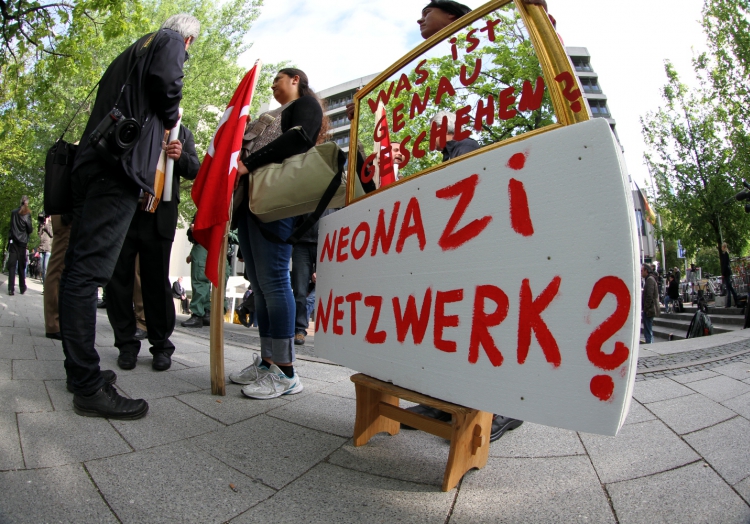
(552, 58)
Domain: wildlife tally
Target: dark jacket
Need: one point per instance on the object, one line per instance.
(20, 227)
(673, 290)
(650, 297)
(177, 289)
(726, 269)
(152, 96)
(453, 149)
(186, 167)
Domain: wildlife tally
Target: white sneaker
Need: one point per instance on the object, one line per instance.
(273, 384)
(251, 373)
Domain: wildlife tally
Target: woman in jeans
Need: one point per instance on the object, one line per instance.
(267, 263)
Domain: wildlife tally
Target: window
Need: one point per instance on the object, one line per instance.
(590, 85)
(581, 63)
(598, 107)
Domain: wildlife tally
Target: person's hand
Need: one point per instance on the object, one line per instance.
(241, 171)
(542, 3)
(314, 278)
(350, 111)
(174, 149)
(189, 259)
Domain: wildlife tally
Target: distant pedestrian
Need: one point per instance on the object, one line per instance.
(18, 238)
(178, 292)
(200, 303)
(649, 302)
(673, 291)
(45, 243)
(726, 275)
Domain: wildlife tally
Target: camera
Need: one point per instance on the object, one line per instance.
(115, 136)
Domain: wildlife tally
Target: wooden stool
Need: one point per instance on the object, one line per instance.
(468, 431)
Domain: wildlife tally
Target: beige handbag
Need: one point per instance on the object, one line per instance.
(300, 184)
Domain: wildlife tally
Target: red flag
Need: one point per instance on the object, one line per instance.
(383, 148)
(212, 189)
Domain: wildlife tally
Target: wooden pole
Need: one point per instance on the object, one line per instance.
(216, 344)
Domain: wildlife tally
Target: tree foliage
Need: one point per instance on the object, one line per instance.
(694, 168)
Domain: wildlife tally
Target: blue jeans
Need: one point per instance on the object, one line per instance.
(267, 268)
(310, 304)
(44, 260)
(648, 328)
(303, 266)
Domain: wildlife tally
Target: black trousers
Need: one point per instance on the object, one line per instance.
(142, 239)
(303, 264)
(17, 254)
(104, 201)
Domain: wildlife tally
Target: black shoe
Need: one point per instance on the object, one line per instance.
(501, 424)
(23, 290)
(207, 319)
(140, 334)
(100, 304)
(107, 403)
(126, 360)
(427, 411)
(11, 292)
(193, 322)
(56, 336)
(109, 376)
(243, 319)
(161, 362)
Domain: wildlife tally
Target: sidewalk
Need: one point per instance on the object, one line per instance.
(683, 455)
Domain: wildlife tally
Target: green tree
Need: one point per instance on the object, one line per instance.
(694, 168)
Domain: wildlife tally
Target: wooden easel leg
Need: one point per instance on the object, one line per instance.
(369, 422)
(470, 445)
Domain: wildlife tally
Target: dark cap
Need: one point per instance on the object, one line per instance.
(450, 7)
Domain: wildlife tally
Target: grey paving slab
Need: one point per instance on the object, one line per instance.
(6, 369)
(720, 388)
(344, 388)
(693, 493)
(174, 483)
(329, 493)
(10, 444)
(143, 364)
(324, 372)
(38, 370)
(63, 494)
(413, 456)
(22, 341)
(168, 420)
(5, 331)
(153, 385)
(530, 491)
(695, 376)
(17, 352)
(42, 341)
(638, 413)
(535, 440)
(232, 408)
(200, 377)
(660, 389)
(726, 447)
(62, 399)
(735, 370)
(269, 450)
(49, 353)
(193, 360)
(639, 450)
(690, 413)
(23, 396)
(740, 405)
(62, 437)
(327, 413)
(743, 488)
(643, 352)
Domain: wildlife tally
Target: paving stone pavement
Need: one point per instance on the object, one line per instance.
(682, 456)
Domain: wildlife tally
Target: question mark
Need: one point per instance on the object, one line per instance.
(571, 94)
(602, 386)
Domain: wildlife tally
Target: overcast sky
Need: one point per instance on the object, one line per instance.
(334, 41)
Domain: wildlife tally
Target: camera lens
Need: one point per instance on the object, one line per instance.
(127, 133)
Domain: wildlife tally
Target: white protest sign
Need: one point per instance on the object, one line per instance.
(506, 282)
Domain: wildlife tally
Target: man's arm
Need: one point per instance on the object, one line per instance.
(188, 164)
(164, 78)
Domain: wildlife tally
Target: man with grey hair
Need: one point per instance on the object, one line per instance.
(450, 148)
(136, 105)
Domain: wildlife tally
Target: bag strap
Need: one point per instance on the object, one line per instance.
(78, 110)
(309, 222)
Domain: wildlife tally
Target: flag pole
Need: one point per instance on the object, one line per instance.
(216, 332)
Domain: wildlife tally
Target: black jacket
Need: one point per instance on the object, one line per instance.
(152, 96)
(453, 149)
(726, 269)
(186, 167)
(20, 227)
